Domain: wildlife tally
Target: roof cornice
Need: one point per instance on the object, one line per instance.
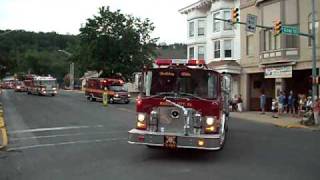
(196, 5)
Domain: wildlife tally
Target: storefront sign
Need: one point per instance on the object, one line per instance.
(278, 72)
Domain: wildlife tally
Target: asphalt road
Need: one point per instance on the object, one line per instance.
(67, 137)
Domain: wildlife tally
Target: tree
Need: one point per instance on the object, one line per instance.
(113, 42)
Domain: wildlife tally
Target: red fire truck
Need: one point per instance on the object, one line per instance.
(95, 87)
(41, 85)
(182, 104)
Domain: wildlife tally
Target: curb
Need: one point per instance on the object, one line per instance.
(3, 130)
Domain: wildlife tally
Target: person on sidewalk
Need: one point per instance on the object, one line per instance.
(274, 108)
(262, 102)
(239, 103)
(291, 103)
(281, 102)
(316, 110)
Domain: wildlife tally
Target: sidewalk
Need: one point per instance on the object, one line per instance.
(3, 131)
(285, 120)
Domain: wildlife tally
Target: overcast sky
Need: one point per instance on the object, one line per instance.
(66, 16)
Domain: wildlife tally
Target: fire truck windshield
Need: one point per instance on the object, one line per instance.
(194, 83)
(47, 82)
(117, 88)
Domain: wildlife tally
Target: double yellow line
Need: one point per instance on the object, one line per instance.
(3, 130)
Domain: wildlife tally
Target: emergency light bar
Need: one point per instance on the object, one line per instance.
(167, 62)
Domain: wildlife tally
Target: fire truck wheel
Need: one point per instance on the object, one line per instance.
(28, 92)
(127, 102)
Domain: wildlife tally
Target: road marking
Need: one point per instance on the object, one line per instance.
(65, 135)
(53, 129)
(126, 110)
(66, 143)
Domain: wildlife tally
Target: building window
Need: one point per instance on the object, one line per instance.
(201, 27)
(191, 52)
(266, 40)
(291, 41)
(310, 28)
(227, 25)
(249, 45)
(200, 52)
(227, 49)
(216, 49)
(191, 29)
(216, 23)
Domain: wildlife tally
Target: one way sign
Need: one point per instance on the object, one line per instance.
(251, 23)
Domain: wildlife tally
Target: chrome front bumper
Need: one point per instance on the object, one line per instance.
(211, 142)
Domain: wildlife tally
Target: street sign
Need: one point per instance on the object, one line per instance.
(290, 30)
(251, 23)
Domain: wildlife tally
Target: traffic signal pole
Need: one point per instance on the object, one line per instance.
(314, 53)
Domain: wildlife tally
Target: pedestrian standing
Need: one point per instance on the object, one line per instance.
(316, 110)
(274, 108)
(281, 101)
(239, 103)
(262, 102)
(291, 103)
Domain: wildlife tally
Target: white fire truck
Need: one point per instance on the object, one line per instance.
(41, 85)
(182, 104)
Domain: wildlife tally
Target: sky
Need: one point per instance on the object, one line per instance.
(66, 16)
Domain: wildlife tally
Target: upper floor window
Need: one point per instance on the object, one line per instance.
(227, 48)
(269, 41)
(201, 27)
(191, 29)
(249, 45)
(201, 52)
(227, 25)
(216, 23)
(191, 52)
(217, 49)
(310, 28)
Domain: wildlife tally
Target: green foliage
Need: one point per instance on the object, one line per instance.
(113, 42)
(22, 52)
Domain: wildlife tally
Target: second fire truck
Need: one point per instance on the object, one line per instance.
(41, 85)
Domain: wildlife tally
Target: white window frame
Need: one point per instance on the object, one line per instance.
(203, 53)
(216, 25)
(204, 27)
(191, 32)
(189, 52)
(224, 48)
(227, 25)
(216, 50)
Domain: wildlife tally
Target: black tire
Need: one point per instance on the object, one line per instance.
(224, 140)
(153, 147)
(127, 102)
(52, 94)
(28, 92)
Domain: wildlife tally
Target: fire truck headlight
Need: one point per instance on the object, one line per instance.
(43, 89)
(116, 95)
(129, 95)
(210, 121)
(141, 117)
(54, 89)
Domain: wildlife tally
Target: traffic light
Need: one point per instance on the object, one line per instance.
(277, 29)
(235, 15)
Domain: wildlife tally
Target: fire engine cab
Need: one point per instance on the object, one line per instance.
(95, 87)
(182, 104)
(41, 85)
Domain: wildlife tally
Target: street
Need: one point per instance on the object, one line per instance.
(68, 137)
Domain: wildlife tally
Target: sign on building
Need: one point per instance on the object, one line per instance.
(251, 23)
(278, 72)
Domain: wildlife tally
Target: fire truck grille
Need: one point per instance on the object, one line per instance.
(171, 119)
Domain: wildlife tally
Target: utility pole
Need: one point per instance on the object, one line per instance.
(314, 60)
(71, 69)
